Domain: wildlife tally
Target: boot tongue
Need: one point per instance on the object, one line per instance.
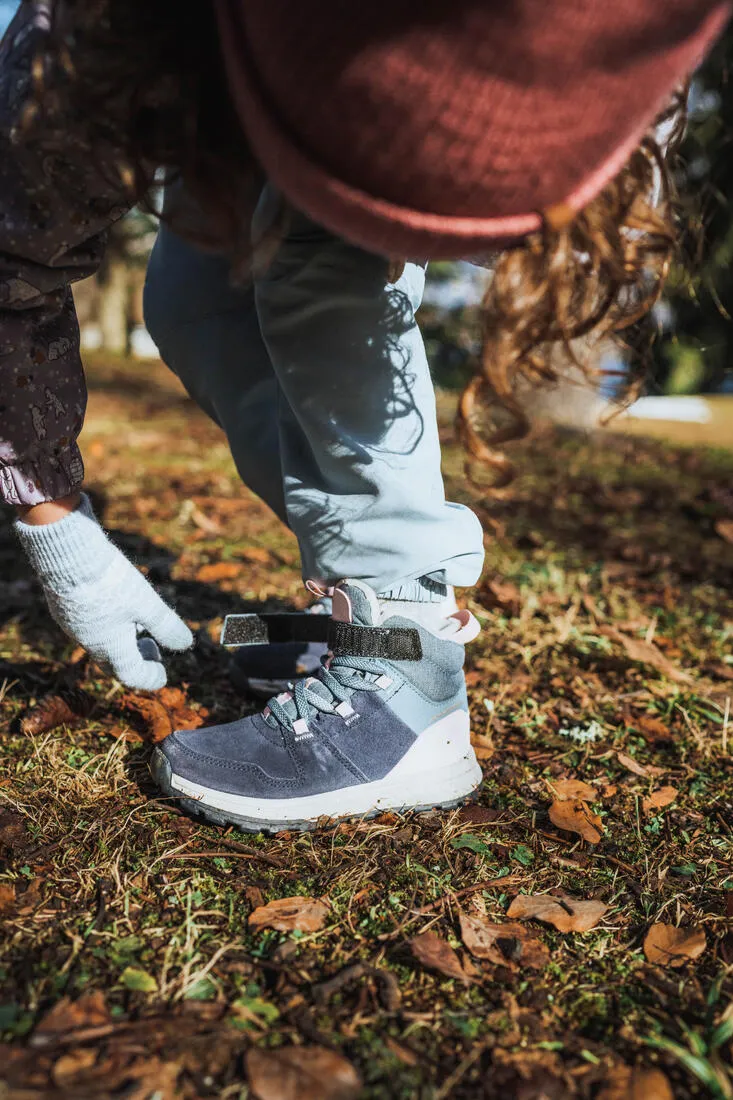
(355, 602)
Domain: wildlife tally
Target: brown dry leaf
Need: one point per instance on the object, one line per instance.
(724, 527)
(483, 746)
(577, 817)
(30, 899)
(531, 1075)
(670, 946)
(150, 1077)
(636, 768)
(162, 713)
(508, 945)
(301, 1073)
(90, 1010)
(256, 554)
(478, 815)
(254, 896)
(625, 1083)
(502, 596)
(565, 913)
(7, 899)
(301, 914)
(70, 1065)
(433, 952)
(719, 670)
(59, 709)
(13, 831)
(663, 797)
(572, 790)
(652, 728)
(218, 571)
(646, 653)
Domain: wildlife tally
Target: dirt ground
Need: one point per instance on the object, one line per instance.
(431, 956)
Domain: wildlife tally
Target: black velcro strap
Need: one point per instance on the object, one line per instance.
(389, 643)
(274, 629)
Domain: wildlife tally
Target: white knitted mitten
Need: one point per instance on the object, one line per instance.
(99, 598)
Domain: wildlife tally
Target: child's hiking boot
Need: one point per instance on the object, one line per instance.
(383, 725)
(268, 669)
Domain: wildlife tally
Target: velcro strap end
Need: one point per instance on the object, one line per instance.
(274, 629)
(386, 643)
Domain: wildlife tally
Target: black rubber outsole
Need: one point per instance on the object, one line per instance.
(161, 772)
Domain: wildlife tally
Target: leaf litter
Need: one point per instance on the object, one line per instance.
(110, 890)
(563, 912)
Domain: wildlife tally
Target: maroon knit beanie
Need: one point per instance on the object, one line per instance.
(441, 128)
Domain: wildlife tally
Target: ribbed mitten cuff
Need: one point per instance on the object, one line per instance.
(74, 550)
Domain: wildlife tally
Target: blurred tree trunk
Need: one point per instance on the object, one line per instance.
(114, 304)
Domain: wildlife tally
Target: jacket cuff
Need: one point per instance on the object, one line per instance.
(72, 551)
(43, 478)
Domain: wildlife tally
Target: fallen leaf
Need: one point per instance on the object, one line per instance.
(301, 1073)
(433, 952)
(297, 914)
(70, 1065)
(651, 728)
(572, 790)
(719, 670)
(646, 653)
(530, 1075)
(483, 746)
(138, 980)
(254, 896)
(508, 945)
(256, 554)
(7, 899)
(659, 798)
(13, 831)
(30, 899)
(625, 1083)
(609, 790)
(565, 913)
(160, 714)
(218, 571)
(477, 815)
(636, 768)
(59, 709)
(153, 1080)
(724, 528)
(577, 817)
(90, 1010)
(502, 596)
(670, 946)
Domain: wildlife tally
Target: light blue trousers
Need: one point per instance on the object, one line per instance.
(317, 373)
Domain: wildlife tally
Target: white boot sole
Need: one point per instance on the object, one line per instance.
(439, 771)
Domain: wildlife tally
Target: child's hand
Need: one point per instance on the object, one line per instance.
(99, 598)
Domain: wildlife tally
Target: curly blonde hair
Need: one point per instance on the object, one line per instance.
(583, 277)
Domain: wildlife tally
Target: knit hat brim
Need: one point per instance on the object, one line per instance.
(492, 172)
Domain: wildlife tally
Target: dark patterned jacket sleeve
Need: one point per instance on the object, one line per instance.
(55, 207)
